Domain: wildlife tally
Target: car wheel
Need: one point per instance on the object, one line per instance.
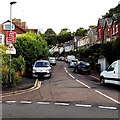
(102, 81)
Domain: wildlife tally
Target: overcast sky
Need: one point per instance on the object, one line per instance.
(57, 14)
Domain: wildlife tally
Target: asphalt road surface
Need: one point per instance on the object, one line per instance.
(65, 95)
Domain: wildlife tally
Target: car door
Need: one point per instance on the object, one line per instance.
(111, 71)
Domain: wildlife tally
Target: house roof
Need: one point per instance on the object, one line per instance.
(101, 22)
(94, 30)
(78, 37)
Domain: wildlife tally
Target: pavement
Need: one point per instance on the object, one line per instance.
(25, 84)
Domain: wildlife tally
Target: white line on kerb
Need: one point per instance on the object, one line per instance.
(65, 104)
(82, 83)
(104, 107)
(26, 102)
(44, 103)
(81, 105)
(107, 97)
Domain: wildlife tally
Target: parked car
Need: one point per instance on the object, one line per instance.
(41, 68)
(73, 63)
(52, 60)
(82, 67)
(111, 75)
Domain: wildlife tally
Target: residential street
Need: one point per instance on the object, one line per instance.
(65, 95)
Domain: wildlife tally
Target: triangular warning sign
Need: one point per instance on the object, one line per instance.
(11, 49)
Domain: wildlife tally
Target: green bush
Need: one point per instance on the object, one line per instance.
(19, 65)
(5, 69)
(6, 77)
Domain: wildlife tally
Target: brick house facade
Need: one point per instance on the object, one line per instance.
(107, 30)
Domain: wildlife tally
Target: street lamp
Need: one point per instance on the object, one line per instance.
(11, 3)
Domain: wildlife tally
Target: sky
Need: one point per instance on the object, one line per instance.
(57, 14)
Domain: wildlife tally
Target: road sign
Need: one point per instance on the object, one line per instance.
(7, 26)
(11, 36)
(11, 49)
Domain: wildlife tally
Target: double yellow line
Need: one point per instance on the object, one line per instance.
(36, 86)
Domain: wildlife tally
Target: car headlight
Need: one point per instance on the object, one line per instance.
(34, 71)
(49, 70)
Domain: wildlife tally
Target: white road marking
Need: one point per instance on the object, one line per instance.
(25, 102)
(105, 107)
(71, 76)
(82, 83)
(76, 79)
(81, 105)
(64, 104)
(44, 103)
(10, 101)
(107, 97)
(94, 77)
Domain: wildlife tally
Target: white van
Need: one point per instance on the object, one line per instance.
(111, 74)
(70, 58)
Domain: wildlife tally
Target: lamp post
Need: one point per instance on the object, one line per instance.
(11, 3)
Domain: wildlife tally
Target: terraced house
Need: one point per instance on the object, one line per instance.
(107, 30)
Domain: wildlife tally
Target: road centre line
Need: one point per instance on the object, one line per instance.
(10, 101)
(65, 104)
(26, 102)
(105, 107)
(82, 83)
(76, 79)
(107, 97)
(82, 105)
(71, 76)
(44, 103)
(96, 90)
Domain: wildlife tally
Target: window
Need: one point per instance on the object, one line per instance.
(111, 67)
(42, 64)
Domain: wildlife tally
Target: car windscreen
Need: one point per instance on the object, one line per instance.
(42, 64)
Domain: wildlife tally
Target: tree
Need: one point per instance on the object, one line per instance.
(31, 46)
(50, 36)
(92, 26)
(113, 13)
(65, 35)
(80, 32)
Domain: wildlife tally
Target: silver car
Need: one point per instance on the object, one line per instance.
(41, 68)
